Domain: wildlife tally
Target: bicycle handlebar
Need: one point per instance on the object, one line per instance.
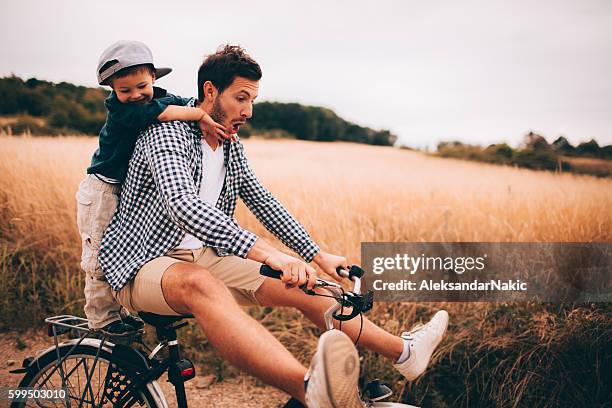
(353, 272)
(266, 270)
(358, 302)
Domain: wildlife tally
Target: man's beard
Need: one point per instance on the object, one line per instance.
(217, 113)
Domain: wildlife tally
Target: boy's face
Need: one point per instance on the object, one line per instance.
(134, 88)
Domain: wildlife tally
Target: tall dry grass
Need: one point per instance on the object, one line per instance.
(494, 354)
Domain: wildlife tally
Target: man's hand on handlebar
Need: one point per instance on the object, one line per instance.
(295, 271)
(329, 263)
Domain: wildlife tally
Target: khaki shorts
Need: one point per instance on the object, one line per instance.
(144, 292)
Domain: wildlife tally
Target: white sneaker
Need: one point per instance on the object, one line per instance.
(423, 341)
(334, 373)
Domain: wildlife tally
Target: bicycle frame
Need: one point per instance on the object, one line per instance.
(336, 291)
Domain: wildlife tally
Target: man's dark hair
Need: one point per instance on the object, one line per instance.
(223, 66)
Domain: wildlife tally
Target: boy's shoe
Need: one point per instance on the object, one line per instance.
(423, 341)
(134, 321)
(333, 374)
(117, 327)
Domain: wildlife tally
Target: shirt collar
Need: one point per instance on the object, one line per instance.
(196, 131)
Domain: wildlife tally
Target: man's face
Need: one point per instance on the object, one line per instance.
(234, 105)
(134, 88)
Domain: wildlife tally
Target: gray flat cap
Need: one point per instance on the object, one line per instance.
(123, 54)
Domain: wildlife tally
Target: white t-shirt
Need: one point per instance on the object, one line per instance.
(213, 175)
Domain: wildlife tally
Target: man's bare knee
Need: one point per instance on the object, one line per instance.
(186, 286)
(203, 285)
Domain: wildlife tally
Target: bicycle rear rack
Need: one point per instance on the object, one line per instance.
(58, 325)
(78, 327)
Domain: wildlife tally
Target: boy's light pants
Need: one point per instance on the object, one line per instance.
(96, 205)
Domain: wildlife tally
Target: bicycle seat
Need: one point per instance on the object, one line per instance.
(161, 320)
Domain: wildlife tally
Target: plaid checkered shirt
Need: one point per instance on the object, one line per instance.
(160, 203)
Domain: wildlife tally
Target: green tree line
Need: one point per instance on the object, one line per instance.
(66, 108)
(315, 123)
(69, 109)
(534, 153)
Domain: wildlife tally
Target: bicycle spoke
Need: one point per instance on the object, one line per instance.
(56, 368)
(68, 384)
(89, 378)
(102, 384)
(87, 391)
(96, 398)
(88, 387)
(78, 375)
(48, 383)
(84, 393)
(69, 387)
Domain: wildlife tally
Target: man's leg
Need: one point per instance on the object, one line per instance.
(241, 274)
(273, 293)
(241, 340)
(410, 353)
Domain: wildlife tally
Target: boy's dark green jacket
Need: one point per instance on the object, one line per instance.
(123, 124)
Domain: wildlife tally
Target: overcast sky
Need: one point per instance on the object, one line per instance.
(479, 71)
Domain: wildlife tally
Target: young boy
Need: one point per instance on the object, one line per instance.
(127, 67)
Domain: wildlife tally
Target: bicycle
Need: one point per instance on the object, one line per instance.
(97, 372)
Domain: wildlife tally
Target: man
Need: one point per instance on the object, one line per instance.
(174, 248)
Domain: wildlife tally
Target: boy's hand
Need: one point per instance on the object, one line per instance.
(209, 127)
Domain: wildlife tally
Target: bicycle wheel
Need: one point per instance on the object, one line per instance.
(102, 385)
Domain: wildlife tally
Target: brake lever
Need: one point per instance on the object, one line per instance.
(354, 271)
(359, 303)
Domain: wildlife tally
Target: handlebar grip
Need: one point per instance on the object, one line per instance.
(356, 272)
(266, 270)
(353, 271)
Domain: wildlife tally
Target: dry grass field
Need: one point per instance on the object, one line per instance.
(502, 355)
